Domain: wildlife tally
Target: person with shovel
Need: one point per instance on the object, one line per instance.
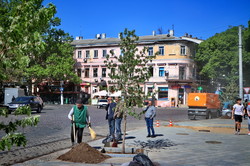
(80, 118)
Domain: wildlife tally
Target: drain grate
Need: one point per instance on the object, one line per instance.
(182, 134)
(213, 142)
(204, 130)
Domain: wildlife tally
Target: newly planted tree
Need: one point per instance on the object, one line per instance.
(129, 71)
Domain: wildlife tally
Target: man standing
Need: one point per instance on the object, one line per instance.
(149, 118)
(110, 117)
(118, 115)
(79, 117)
(237, 114)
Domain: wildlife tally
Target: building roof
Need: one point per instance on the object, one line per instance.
(142, 39)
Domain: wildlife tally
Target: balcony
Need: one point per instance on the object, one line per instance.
(180, 79)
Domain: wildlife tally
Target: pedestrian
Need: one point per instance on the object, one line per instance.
(237, 114)
(118, 115)
(150, 113)
(245, 109)
(80, 118)
(110, 117)
(248, 113)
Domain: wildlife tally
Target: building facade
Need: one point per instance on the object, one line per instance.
(173, 69)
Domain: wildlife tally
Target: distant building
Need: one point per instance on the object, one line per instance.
(173, 70)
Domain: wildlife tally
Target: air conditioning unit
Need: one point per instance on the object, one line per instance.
(85, 60)
(96, 80)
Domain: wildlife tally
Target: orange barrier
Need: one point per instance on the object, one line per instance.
(170, 124)
(157, 123)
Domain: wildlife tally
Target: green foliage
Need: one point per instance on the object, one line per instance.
(22, 24)
(129, 71)
(217, 57)
(12, 137)
(56, 62)
(231, 92)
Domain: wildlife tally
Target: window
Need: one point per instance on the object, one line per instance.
(86, 72)
(95, 53)
(122, 53)
(112, 52)
(79, 72)
(79, 53)
(161, 50)
(183, 50)
(95, 72)
(150, 51)
(161, 72)
(163, 92)
(151, 71)
(87, 54)
(104, 53)
(150, 90)
(104, 72)
(182, 73)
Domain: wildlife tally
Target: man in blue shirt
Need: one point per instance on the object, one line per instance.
(150, 113)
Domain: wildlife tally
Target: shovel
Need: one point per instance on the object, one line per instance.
(74, 129)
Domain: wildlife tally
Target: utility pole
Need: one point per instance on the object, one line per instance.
(240, 65)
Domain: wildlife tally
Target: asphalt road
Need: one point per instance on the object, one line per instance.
(53, 131)
(54, 123)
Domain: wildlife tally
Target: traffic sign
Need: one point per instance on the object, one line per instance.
(61, 89)
(247, 89)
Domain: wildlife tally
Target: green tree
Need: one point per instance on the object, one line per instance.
(217, 58)
(10, 127)
(22, 24)
(128, 72)
(56, 62)
(231, 92)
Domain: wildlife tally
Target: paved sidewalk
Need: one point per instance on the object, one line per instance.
(193, 148)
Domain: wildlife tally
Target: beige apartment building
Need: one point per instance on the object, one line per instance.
(173, 70)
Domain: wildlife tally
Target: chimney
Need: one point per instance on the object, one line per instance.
(171, 32)
(186, 34)
(190, 36)
(154, 33)
(98, 36)
(79, 37)
(103, 35)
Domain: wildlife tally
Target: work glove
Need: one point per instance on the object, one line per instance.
(72, 121)
(89, 124)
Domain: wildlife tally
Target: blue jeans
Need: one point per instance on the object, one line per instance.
(150, 126)
(118, 130)
(111, 127)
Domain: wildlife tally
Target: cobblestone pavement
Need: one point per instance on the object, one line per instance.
(52, 132)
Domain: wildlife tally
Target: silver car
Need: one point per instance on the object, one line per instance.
(227, 112)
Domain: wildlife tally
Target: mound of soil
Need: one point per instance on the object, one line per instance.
(83, 153)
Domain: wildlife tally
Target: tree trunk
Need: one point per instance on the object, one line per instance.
(124, 132)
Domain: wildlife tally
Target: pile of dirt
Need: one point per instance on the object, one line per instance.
(83, 153)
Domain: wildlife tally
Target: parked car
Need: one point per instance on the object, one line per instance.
(102, 103)
(227, 112)
(35, 103)
(227, 109)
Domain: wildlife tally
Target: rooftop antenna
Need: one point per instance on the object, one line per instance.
(172, 26)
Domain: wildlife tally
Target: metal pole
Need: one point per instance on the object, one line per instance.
(240, 65)
(61, 97)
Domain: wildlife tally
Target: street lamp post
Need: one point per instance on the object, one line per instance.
(240, 66)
